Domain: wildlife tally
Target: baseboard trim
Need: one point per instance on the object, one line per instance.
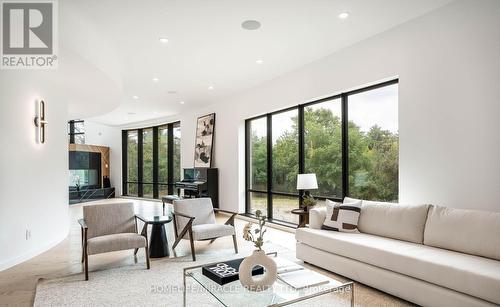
(32, 253)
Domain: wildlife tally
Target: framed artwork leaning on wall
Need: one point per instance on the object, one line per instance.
(203, 150)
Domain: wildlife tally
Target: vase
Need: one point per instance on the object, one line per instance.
(259, 282)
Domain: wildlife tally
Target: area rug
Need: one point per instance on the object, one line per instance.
(133, 285)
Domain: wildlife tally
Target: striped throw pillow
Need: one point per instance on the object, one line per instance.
(342, 217)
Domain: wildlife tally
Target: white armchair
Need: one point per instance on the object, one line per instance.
(194, 219)
(110, 227)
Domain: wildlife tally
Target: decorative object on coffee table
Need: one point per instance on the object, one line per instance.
(306, 182)
(258, 257)
(227, 271)
(281, 294)
(205, 129)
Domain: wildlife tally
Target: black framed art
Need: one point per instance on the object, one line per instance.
(203, 150)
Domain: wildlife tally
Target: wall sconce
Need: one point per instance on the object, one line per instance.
(40, 121)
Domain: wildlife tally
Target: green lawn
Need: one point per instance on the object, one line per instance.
(282, 205)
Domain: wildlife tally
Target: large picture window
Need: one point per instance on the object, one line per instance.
(350, 141)
(151, 160)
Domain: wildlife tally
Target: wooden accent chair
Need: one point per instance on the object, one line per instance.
(195, 219)
(107, 228)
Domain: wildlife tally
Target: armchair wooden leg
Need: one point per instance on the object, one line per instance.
(235, 244)
(146, 249)
(83, 248)
(176, 242)
(144, 233)
(192, 244)
(86, 264)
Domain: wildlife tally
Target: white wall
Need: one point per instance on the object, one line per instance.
(103, 135)
(33, 177)
(448, 63)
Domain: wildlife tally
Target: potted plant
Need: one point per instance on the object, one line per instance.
(258, 257)
(308, 202)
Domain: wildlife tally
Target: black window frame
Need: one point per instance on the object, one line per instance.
(344, 100)
(72, 133)
(140, 160)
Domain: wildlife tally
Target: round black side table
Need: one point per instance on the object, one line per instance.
(158, 244)
(303, 217)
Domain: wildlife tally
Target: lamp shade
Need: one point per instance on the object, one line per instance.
(306, 182)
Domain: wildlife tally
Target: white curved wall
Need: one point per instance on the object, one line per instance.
(33, 177)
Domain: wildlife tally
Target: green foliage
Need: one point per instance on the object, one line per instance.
(373, 158)
(259, 156)
(308, 201)
(257, 237)
(132, 162)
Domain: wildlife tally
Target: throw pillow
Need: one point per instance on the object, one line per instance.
(342, 217)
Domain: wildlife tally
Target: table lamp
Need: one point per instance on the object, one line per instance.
(307, 182)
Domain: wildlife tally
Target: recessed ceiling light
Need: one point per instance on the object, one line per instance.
(135, 97)
(172, 92)
(210, 87)
(181, 102)
(163, 40)
(156, 79)
(344, 15)
(259, 61)
(131, 113)
(250, 24)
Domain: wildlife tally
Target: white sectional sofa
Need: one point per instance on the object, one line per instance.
(428, 255)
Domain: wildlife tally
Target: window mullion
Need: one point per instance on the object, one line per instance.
(140, 162)
(301, 147)
(155, 162)
(247, 166)
(269, 167)
(170, 158)
(124, 162)
(345, 146)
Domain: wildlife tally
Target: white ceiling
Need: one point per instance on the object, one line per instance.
(208, 47)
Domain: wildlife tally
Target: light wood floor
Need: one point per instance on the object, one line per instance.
(18, 284)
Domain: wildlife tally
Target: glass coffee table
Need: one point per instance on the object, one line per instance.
(280, 294)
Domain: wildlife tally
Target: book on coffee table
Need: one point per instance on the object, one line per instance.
(227, 271)
(284, 265)
(303, 278)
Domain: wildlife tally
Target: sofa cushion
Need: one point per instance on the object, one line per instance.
(210, 231)
(109, 218)
(342, 217)
(467, 231)
(464, 273)
(115, 242)
(392, 220)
